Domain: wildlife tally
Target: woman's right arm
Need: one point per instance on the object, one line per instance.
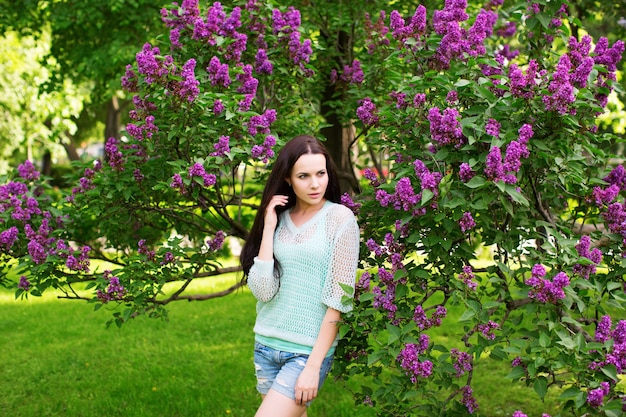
(261, 279)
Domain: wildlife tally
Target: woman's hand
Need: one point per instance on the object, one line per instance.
(271, 218)
(307, 384)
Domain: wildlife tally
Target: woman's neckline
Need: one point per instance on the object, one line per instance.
(302, 224)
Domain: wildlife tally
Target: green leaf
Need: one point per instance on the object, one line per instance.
(610, 371)
(475, 182)
(541, 387)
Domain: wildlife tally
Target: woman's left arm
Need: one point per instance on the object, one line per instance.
(308, 381)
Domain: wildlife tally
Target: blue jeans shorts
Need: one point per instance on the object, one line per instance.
(279, 370)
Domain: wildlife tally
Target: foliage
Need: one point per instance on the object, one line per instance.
(487, 121)
(33, 120)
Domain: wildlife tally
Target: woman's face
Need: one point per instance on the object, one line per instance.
(309, 179)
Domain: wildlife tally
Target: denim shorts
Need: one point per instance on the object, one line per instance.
(279, 370)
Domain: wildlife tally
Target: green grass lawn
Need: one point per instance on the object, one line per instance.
(59, 359)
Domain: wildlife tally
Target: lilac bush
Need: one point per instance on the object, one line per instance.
(507, 204)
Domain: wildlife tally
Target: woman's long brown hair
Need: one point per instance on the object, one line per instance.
(277, 184)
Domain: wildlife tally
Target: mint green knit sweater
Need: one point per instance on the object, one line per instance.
(314, 259)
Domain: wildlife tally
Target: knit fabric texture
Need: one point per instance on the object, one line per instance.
(314, 259)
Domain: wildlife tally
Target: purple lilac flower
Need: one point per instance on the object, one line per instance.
(595, 397)
(560, 87)
(493, 128)
(371, 176)
(8, 237)
(217, 242)
(24, 284)
(168, 258)
(465, 172)
(617, 177)
(218, 73)
(148, 65)
(487, 329)
(595, 255)
(177, 183)
(604, 197)
(347, 201)
(547, 291)
(467, 222)
(222, 147)
(519, 414)
(467, 276)
(197, 170)
(468, 399)
(114, 291)
(494, 170)
(262, 64)
(481, 30)
(189, 85)
(603, 331)
(385, 300)
(218, 107)
(129, 80)
(28, 171)
(419, 99)
(145, 250)
(367, 112)
(114, 155)
(353, 74)
(409, 361)
(462, 361)
(610, 57)
(445, 128)
(452, 97)
(244, 105)
(363, 285)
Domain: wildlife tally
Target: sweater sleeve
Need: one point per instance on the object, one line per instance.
(262, 281)
(343, 266)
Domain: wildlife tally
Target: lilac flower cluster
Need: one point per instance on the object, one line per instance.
(347, 201)
(617, 177)
(467, 222)
(595, 397)
(498, 170)
(363, 285)
(467, 276)
(28, 171)
(445, 127)
(423, 322)
(189, 89)
(285, 25)
(561, 88)
(264, 152)
(493, 128)
(367, 112)
(77, 263)
(114, 155)
(410, 361)
(217, 242)
(487, 329)
(594, 255)
(404, 197)
(142, 132)
(615, 340)
(24, 284)
(428, 180)
(218, 73)
(114, 290)
(468, 399)
(262, 64)
(544, 290)
(371, 176)
(376, 32)
(144, 249)
(352, 74)
(261, 123)
(197, 170)
(457, 41)
(415, 29)
(465, 172)
(222, 147)
(521, 85)
(150, 65)
(461, 361)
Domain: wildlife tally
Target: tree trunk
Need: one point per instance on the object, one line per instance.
(338, 137)
(112, 128)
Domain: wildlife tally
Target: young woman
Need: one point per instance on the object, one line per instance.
(303, 246)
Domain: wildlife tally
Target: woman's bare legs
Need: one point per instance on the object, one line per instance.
(274, 404)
